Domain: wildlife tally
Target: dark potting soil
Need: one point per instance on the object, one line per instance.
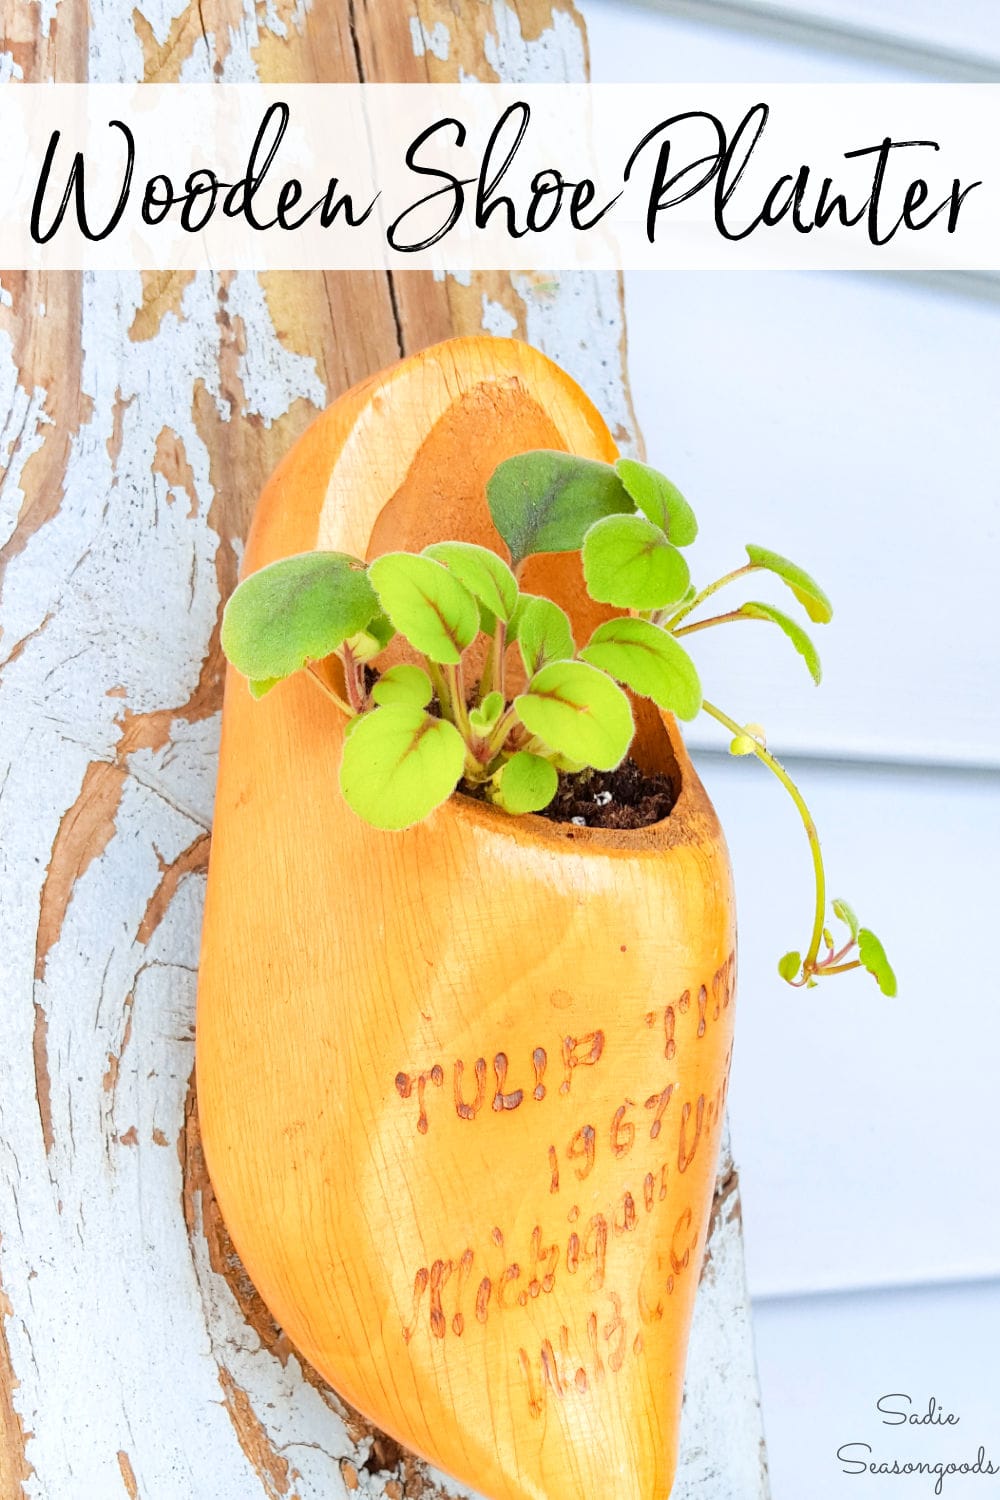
(626, 797)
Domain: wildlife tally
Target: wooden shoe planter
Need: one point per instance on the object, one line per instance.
(462, 1087)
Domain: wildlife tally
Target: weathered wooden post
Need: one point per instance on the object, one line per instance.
(141, 414)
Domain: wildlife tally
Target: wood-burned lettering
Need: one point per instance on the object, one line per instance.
(685, 1152)
(582, 1052)
(503, 1100)
(571, 1365)
(509, 1092)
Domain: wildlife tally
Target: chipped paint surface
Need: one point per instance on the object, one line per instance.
(47, 11)
(434, 39)
(556, 55)
(22, 419)
(135, 1356)
(497, 319)
(722, 1452)
(579, 313)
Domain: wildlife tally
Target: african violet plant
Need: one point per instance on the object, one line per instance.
(417, 733)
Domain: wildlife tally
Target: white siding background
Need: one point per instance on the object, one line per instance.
(854, 420)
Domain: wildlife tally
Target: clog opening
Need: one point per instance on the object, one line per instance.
(443, 496)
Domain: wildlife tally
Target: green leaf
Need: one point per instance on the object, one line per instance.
(659, 500)
(649, 661)
(567, 765)
(427, 604)
(628, 562)
(258, 689)
(399, 764)
(485, 717)
(789, 966)
(294, 611)
(806, 590)
(484, 574)
(526, 783)
(403, 684)
(543, 632)
(374, 638)
(872, 956)
(544, 501)
(846, 915)
(798, 637)
(579, 712)
(742, 744)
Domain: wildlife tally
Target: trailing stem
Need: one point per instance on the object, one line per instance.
(809, 962)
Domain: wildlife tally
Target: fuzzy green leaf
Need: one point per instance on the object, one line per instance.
(659, 500)
(649, 661)
(806, 590)
(798, 637)
(542, 631)
(628, 562)
(264, 685)
(846, 915)
(742, 744)
(789, 966)
(399, 764)
(486, 715)
(526, 783)
(544, 501)
(872, 956)
(294, 611)
(579, 712)
(427, 604)
(403, 684)
(484, 574)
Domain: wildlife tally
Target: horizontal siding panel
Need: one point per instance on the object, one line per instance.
(644, 44)
(851, 423)
(815, 39)
(960, 26)
(865, 1128)
(824, 1363)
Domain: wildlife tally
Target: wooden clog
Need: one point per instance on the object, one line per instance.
(462, 1087)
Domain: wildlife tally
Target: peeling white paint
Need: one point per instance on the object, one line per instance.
(9, 69)
(576, 317)
(272, 376)
(46, 15)
(118, 594)
(722, 1446)
(556, 55)
(496, 319)
(280, 28)
(463, 278)
(6, 300)
(22, 420)
(238, 62)
(434, 39)
(114, 52)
